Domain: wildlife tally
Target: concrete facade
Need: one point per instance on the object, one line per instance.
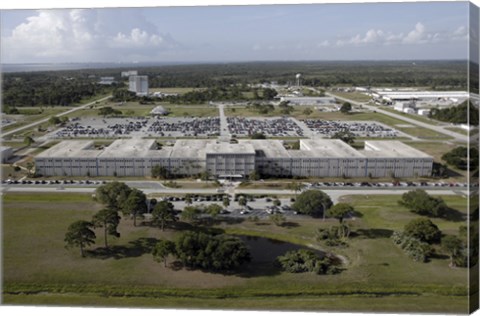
(6, 153)
(315, 158)
(138, 84)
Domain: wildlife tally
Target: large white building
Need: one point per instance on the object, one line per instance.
(138, 84)
(315, 158)
(318, 101)
(129, 73)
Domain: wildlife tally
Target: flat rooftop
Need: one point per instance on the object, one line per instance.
(267, 147)
(128, 148)
(227, 148)
(72, 149)
(328, 148)
(190, 148)
(391, 149)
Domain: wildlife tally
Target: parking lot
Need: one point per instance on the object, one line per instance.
(140, 127)
(272, 127)
(360, 129)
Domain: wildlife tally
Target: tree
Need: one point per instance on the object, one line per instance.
(205, 176)
(160, 172)
(295, 186)
(107, 219)
(462, 158)
(278, 219)
(213, 210)
(254, 176)
(418, 201)
(162, 250)
(226, 201)
(242, 201)
(191, 214)
(113, 194)
(424, 230)
(258, 136)
(453, 246)
(188, 199)
(340, 211)
(307, 111)
(163, 213)
(211, 252)
(80, 234)
(106, 111)
(312, 202)
(346, 108)
(276, 202)
(28, 140)
(269, 94)
(30, 167)
(135, 205)
(345, 136)
(304, 260)
(54, 120)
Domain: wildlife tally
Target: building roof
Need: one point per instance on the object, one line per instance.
(71, 149)
(190, 148)
(133, 147)
(267, 147)
(391, 149)
(328, 148)
(227, 148)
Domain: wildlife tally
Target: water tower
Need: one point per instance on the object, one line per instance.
(298, 78)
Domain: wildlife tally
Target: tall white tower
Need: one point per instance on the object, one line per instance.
(298, 78)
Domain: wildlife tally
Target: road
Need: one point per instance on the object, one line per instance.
(224, 132)
(46, 119)
(440, 129)
(334, 194)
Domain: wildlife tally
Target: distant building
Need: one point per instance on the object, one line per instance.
(389, 95)
(309, 100)
(423, 112)
(159, 111)
(106, 80)
(5, 153)
(315, 158)
(139, 85)
(129, 73)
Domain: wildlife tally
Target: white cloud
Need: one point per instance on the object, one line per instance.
(82, 35)
(419, 35)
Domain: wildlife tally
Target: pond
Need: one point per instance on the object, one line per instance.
(267, 250)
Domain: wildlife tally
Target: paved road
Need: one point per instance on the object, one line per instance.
(440, 129)
(46, 119)
(224, 132)
(334, 194)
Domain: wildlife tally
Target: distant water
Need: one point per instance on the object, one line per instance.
(76, 66)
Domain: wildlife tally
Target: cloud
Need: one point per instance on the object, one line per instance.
(418, 35)
(83, 35)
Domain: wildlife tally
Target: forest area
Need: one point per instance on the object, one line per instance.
(68, 87)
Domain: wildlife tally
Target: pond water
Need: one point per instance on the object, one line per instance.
(267, 250)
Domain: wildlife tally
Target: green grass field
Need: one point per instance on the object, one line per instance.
(378, 276)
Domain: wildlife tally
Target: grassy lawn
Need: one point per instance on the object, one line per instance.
(378, 275)
(175, 90)
(412, 116)
(458, 130)
(196, 111)
(31, 114)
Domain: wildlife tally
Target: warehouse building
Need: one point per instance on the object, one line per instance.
(6, 153)
(315, 158)
(139, 85)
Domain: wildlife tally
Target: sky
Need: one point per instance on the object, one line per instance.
(354, 31)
